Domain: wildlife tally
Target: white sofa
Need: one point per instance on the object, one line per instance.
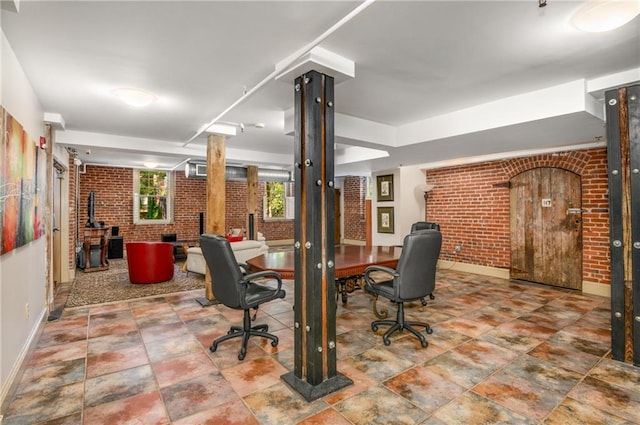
(243, 250)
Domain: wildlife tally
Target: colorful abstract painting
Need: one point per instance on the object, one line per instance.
(19, 181)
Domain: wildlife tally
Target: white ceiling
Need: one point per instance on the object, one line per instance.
(434, 81)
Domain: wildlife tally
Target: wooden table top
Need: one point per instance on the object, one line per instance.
(350, 260)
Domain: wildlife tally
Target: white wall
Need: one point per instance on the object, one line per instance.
(22, 271)
(408, 207)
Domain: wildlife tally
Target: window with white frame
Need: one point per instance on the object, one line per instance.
(152, 197)
(278, 201)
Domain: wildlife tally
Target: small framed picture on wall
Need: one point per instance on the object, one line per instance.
(385, 220)
(385, 188)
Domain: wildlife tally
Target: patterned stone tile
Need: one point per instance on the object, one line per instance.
(609, 398)
(565, 355)
(155, 333)
(141, 409)
(552, 316)
(380, 406)
(424, 388)
(254, 374)
(279, 405)
(182, 368)
(114, 342)
(158, 319)
(327, 416)
(230, 413)
(618, 373)
(114, 361)
(573, 412)
(198, 394)
(119, 385)
(60, 336)
(473, 409)
(172, 347)
(378, 363)
(361, 381)
(596, 348)
(470, 363)
(44, 405)
(58, 353)
(469, 327)
(51, 376)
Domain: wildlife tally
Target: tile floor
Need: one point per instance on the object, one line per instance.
(501, 352)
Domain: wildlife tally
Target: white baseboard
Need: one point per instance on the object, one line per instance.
(594, 288)
(353, 242)
(280, 242)
(9, 385)
(474, 268)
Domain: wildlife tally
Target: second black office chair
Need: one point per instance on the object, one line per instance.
(239, 290)
(413, 278)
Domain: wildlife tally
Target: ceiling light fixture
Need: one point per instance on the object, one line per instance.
(601, 16)
(137, 98)
(150, 164)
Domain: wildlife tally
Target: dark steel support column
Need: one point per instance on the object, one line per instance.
(614, 166)
(623, 157)
(634, 159)
(315, 374)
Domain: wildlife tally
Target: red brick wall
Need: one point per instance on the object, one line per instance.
(354, 190)
(472, 208)
(72, 214)
(113, 187)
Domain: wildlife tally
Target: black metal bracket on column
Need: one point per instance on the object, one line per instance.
(315, 374)
(614, 170)
(634, 165)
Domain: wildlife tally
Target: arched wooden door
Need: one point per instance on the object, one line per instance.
(546, 227)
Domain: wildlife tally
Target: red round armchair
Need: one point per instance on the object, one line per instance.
(150, 262)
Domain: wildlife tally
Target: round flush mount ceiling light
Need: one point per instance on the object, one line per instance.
(605, 15)
(150, 164)
(137, 98)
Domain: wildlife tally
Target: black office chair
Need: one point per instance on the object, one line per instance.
(238, 290)
(425, 225)
(413, 278)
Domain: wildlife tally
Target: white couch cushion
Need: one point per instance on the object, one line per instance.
(243, 250)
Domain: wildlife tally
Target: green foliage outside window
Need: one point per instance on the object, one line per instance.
(153, 195)
(274, 194)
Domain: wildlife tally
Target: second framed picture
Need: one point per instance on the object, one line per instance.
(385, 188)
(385, 220)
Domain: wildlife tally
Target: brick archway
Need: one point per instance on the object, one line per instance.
(574, 161)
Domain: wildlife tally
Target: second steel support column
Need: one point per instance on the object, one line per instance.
(315, 373)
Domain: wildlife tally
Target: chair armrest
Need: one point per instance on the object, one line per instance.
(259, 275)
(245, 268)
(377, 268)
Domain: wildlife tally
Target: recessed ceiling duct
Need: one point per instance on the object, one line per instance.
(198, 170)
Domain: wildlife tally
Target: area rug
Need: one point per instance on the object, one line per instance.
(114, 285)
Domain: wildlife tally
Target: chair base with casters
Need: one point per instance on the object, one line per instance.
(236, 288)
(413, 279)
(401, 324)
(244, 332)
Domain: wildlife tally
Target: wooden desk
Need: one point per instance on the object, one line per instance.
(91, 234)
(351, 262)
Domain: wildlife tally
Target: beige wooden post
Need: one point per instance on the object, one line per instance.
(216, 196)
(252, 198)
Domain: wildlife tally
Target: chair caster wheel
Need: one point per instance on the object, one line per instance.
(274, 343)
(386, 342)
(431, 296)
(213, 348)
(429, 331)
(374, 328)
(424, 344)
(242, 355)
